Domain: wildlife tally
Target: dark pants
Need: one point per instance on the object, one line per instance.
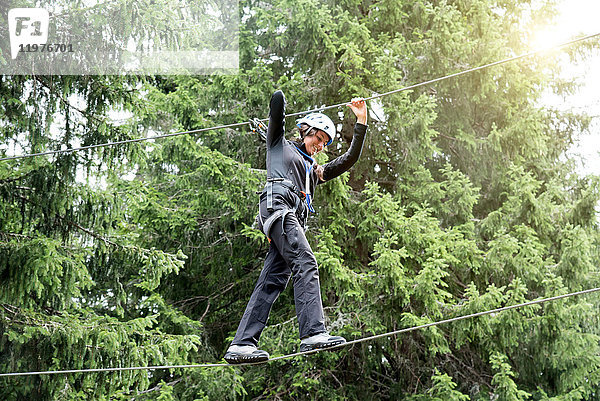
(289, 254)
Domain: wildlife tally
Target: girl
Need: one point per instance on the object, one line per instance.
(292, 176)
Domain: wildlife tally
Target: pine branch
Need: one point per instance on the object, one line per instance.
(90, 232)
(160, 386)
(67, 103)
(5, 235)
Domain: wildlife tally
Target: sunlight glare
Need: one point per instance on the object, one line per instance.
(549, 37)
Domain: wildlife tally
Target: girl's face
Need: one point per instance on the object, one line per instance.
(315, 143)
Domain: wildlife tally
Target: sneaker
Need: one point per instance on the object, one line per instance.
(245, 354)
(320, 341)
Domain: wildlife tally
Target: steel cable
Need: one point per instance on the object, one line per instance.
(507, 60)
(391, 333)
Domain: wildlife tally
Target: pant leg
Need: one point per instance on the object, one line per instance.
(289, 253)
(297, 254)
(272, 281)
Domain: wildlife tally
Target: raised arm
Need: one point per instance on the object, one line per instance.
(343, 163)
(275, 131)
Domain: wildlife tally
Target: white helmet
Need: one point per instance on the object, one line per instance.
(319, 121)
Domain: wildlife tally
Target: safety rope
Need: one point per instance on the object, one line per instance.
(507, 60)
(101, 145)
(391, 333)
(495, 63)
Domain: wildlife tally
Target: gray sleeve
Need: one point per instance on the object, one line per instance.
(343, 163)
(275, 130)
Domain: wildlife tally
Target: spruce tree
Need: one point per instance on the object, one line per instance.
(463, 200)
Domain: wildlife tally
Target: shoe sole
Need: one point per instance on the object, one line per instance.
(235, 359)
(306, 348)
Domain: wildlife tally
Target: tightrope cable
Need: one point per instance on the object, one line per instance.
(101, 145)
(507, 60)
(222, 365)
(495, 63)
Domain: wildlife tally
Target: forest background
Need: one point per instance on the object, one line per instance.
(464, 199)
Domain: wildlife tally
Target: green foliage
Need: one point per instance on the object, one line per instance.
(462, 201)
(41, 272)
(444, 388)
(92, 342)
(502, 380)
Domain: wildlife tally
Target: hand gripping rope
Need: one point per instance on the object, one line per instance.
(258, 127)
(392, 333)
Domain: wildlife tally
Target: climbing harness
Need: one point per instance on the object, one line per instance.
(282, 185)
(279, 186)
(307, 169)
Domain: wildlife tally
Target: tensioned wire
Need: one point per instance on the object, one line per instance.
(195, 131)
(391, 333)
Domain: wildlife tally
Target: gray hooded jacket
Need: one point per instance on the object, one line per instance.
(291, 171)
